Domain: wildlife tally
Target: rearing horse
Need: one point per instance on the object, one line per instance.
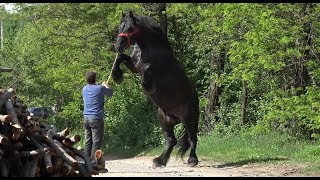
(163, 80)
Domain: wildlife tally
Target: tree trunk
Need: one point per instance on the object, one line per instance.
(244, 103)
(4, 69)
(214, 92)
(302, 78)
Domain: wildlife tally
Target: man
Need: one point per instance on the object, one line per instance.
(93, 99)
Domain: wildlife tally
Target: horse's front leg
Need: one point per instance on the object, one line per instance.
(128, 62)
(117, 73)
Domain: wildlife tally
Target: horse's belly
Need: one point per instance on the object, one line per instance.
(167, 97)
(172, 87)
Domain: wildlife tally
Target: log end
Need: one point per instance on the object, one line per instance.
(4, 140)
(49, 169)
(76, 138)
(98, 154)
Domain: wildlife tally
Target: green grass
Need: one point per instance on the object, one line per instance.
(272, 148)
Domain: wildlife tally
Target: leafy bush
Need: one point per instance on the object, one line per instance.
(298, 115)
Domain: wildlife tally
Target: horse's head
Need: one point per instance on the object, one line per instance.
(128, 32)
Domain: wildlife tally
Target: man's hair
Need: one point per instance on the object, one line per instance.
(91, 77)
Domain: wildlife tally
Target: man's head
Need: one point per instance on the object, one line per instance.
(91, 77)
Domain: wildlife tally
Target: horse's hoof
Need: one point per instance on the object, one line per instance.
(158, 162)
(117, 76)
(192, 161)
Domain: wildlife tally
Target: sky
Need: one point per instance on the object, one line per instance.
(8, 6)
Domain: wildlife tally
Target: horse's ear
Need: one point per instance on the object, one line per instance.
(131, 14)
(132, 17)
(123, 14)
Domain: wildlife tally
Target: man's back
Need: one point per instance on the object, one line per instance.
(93, 98)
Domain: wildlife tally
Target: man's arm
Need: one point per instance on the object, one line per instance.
(107, 90)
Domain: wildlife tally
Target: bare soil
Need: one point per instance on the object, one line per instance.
(142, 167)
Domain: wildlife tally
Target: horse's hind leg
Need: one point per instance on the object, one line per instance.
(193, 159)
(190, 122)
(167, 125)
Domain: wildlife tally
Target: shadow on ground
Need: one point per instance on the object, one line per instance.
(248, 161)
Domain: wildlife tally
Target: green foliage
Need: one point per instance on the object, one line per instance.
(272, 48)
(131, 120)
(296, 114)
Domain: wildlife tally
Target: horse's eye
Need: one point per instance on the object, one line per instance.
(130, 29)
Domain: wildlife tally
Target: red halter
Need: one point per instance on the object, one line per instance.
(128, 35)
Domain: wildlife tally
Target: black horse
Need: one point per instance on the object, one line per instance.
(163, 80)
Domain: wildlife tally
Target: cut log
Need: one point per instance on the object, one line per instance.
(70, 141)
(61, 134)
(3, 139)
(31, 167)
(34, 142)
(37, 173)
(36, 152)
(4, 170)
(10, 111)
(39, 137)
(6, 95)
(17, 164)
(62, 153)
(64, 133)
(15, 121)
(76, 138)
(82, 168)
(86, 159)
(100, 159)
(18, 145)
(57, 163)
(47, 160)
(5, 118)
(54, 129)
(20, 104)
(30, 146)
(16, 131)
(1, 153)
(67, 170)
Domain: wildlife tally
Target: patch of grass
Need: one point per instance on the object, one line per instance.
(237, 150)
(231, 148)
(258, 148)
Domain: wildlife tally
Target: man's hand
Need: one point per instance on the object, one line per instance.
(105, 83)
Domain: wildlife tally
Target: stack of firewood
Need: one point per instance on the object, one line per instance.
(31, 147)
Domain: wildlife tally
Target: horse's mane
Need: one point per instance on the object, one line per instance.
(153, 26)
(150, 23)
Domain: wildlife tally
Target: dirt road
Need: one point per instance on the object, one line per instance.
(142, 167)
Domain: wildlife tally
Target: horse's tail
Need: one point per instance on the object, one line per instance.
(184, 144)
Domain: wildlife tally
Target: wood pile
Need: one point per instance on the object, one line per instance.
(31, 147)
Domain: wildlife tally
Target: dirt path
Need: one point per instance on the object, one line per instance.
(142, 167)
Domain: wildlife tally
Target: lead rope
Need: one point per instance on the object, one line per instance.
(114, 62)
(112, 68)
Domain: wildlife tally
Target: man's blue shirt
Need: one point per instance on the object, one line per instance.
(93, 98)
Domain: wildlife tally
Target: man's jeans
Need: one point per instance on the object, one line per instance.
(94, 128)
